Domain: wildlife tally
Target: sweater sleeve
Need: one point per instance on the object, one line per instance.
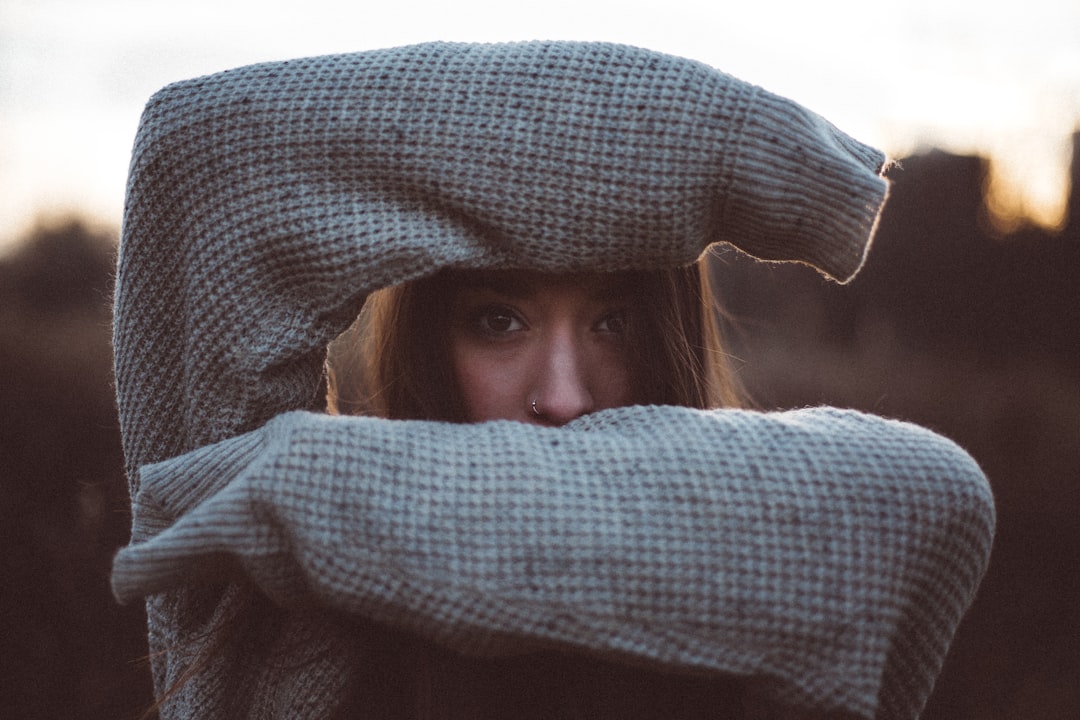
(265, 203)
(828, 555)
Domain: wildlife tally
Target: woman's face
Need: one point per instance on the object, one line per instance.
(560, 340)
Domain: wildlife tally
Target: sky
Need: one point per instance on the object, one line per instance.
(997, 78)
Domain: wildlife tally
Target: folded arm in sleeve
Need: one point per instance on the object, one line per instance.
(793, 547)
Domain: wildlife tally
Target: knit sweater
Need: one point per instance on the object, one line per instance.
(824, 556)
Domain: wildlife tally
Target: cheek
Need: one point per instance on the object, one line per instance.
(612, 380)
(490, 385)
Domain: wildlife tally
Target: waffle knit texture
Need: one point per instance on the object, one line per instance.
(825, 556)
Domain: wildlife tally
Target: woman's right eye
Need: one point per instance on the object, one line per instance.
(496, 321)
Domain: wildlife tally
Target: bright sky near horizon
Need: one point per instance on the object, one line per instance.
(970, 76)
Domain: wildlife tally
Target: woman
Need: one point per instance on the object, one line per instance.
(467, 346)
(539, 348)
(297, 564)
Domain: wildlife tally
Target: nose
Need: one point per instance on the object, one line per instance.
(561, 389)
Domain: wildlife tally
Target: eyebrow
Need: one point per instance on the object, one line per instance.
(608, 286)
(501, 284)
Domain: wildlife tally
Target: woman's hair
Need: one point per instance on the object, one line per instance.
(395, 363)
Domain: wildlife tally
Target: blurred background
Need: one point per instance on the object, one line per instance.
(965, 319)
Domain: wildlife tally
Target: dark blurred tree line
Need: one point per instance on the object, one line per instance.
(68, 650)
(951, 324)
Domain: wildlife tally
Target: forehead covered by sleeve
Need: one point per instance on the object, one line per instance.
(548, 155)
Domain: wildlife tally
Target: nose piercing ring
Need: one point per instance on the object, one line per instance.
(535, 411)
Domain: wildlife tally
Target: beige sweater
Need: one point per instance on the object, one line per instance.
(823, 557)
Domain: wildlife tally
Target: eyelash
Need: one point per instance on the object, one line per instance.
(620, 316)
(477, 320)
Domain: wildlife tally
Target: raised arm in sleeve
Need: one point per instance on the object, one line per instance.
(265, 203)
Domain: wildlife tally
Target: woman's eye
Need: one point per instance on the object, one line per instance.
(613, 323)
(496, 321)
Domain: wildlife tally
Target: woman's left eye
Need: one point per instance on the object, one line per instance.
(612, 323)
